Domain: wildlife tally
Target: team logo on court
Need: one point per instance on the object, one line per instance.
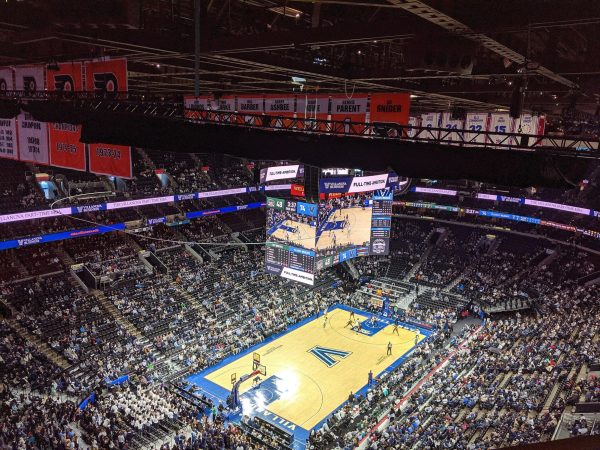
(106, 82)
(328, 356)
(64, 83)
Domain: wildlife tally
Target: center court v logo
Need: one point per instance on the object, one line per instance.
(326, 355)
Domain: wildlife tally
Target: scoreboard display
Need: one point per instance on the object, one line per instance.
(353, 218)
(290, 246)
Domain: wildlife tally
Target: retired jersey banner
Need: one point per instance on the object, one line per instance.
(314, 107)
(110, 159)
(500, 123)
(33, 139)
(280, 105)
(390, 108)
(430, 120)
(66, 150)
(477, 123)
(106, 76)
(8, 127)
(251, 105)
(192, 104)
(344, 109)
(448, 123)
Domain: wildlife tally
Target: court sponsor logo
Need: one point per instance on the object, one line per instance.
(328, 356)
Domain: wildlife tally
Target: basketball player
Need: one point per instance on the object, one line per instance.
(416, 340)
(350, 322)
(389, 349)
(325, 320)
(395, 330)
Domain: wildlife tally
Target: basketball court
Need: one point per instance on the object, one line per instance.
(310, 369)
(345, 227)
(296, 233)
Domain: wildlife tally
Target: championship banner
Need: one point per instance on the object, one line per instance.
(280, 105)
(390, 108)
(66, 150)
(430, 120)
(357, 184)
(8, 127)
(500, 123)
(109, 159)
(348, 110)
(281, 173)
(452, 124)
(476, 122)
(106, 76)
(251, 105)
(32, 134)
(314, 107)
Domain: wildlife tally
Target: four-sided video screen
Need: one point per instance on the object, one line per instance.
(351, 219)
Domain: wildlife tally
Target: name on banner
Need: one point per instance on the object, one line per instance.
(105, 152)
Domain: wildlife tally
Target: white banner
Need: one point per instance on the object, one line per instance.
(33, 135)
(370, 183)
(6, 80)
(250, 105)
(311, 107)
(8, 127)
(298, 275)
(33, 139)
(500, 123)
(430, 120)
(8, 139)
(412, 122)
(280, 173)
(199, 103)
(477, 122)
(279, 105)
(349, 107)
(452, 124)
(29, 78)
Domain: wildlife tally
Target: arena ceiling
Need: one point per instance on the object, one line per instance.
(468, 54)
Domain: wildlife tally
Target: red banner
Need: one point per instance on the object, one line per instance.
(297, 190)
(390, 108)
(108, 76)
(66, 150)
(354, 109)
(109, 159)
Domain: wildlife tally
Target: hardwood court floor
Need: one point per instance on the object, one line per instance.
(357, 233)
(303, 237)
(304, 389)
